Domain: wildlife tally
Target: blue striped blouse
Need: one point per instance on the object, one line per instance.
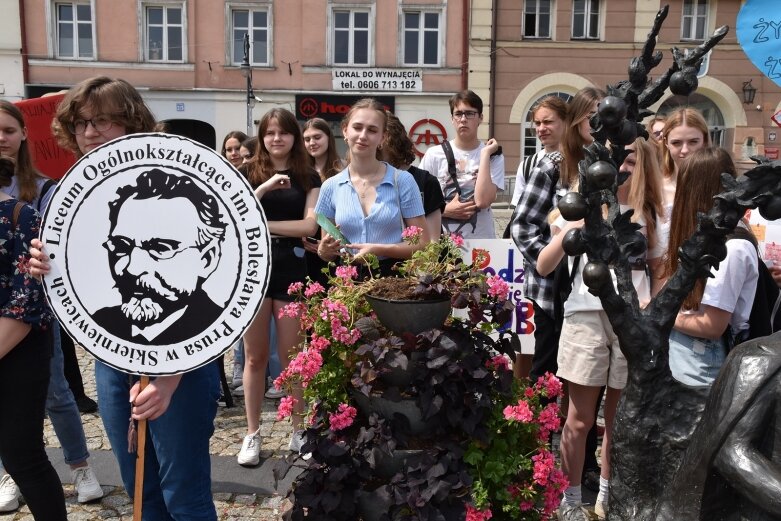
(339, 201)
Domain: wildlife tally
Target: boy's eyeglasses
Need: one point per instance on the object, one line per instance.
(468, 114)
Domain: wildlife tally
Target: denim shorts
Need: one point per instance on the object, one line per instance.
(695, 361)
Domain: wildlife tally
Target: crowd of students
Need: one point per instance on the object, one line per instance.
(673, 175)
(371, 195)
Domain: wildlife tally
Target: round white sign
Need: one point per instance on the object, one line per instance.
(159, 254)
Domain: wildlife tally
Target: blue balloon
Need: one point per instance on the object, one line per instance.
(759, 34)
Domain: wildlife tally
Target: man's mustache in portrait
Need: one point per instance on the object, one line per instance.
(147, 297)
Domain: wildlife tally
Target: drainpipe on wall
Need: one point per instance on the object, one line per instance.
(465, 45)
(23, 31)
(492, 72)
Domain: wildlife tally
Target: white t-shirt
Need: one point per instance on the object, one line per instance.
(520, 180)
(581, 300)
(734, 283)
(481, 226)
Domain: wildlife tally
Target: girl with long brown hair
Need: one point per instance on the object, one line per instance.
(287, 187)
(577, 131)
(697, 343)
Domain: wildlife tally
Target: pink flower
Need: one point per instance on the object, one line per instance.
(347, 273)
(412, 234)
(558, 482)
(544, 464)
(528, 392)
(549, 420)
(295, 287)
(285, 408)
(457, 239)
(549, 384)
(472, 514)
(521, 412)
(313, 288)
(343, 418)
(293, 310)
(526, 505)
(497, 287)
(319, 343)
(498, 362)
(304, 366)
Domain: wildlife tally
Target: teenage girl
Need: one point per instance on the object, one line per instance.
(398, 151)
(248, 149)
(321, 147)
(29, 186)
(685, 131)
(25, 354)
(231, 145)
(370, 201)
(577, 131)
(287, 188)
(697, 345)
(589, 355)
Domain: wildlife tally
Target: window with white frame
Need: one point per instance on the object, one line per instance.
(537, 18)
(422, 38)
(74, 37)
(694, 19)
(585, 19)
(256, 23)
(351, 36)
(164, 32)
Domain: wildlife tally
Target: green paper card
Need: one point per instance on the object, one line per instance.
(330, 228)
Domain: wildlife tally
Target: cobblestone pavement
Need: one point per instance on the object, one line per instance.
(230, 428)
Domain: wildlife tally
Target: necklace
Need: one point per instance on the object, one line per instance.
(362, 185)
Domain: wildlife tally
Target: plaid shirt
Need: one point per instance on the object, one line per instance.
(530, 229)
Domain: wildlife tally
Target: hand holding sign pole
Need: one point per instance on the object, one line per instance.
(159, 258)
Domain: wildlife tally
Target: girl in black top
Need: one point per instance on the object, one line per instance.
(287, 188)
(398, 150)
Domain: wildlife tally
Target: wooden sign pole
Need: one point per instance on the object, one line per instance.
(138, 494)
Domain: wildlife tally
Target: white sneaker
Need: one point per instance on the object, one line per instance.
(249, 455)
(9, 494)
(86, 484)
(238, 391)
(237, 377)
(297, 440)
(275, 394)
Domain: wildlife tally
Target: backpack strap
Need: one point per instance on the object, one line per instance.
(451, 164)
(44, 190)
(17, 210)
(527, 166)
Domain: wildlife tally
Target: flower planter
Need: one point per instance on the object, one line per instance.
(407, 407)
(401, 378)
(386, 466)
(410, 316)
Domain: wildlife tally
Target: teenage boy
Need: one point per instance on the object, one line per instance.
(470, 173)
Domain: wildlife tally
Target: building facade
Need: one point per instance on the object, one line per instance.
(314, 57)
(526, 49)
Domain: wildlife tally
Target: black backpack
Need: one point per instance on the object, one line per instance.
(764, 319)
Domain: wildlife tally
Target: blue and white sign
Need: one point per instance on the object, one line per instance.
(759, 34)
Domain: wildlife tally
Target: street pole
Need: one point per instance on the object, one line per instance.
(246, 71)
